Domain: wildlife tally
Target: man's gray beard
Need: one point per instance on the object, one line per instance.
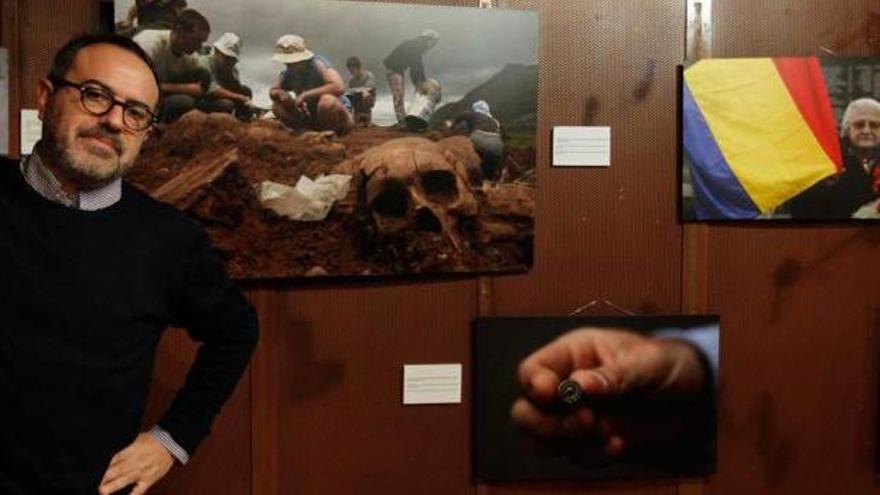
(80, 174)
(87, 176)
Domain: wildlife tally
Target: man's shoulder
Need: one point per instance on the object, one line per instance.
(152, 39)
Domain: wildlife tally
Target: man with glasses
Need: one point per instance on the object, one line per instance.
(96, 270)
(841, 195)
(183, 78)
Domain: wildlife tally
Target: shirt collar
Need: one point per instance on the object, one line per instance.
(44, 182)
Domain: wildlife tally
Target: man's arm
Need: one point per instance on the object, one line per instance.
(216, 315)
(333, 84)
(192, 89)
(221, 92)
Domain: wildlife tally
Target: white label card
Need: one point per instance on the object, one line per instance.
(432, 384)
(31, 130)
(581, 146)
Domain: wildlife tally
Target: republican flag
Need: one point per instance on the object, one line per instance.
(758, 131)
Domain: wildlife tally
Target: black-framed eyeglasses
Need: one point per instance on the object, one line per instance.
(99, 101)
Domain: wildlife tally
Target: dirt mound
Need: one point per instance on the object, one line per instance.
(209, 165)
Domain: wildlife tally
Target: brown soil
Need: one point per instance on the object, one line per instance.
(209, 165)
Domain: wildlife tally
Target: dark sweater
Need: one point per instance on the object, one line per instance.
(408, 55)
(836, 197)
(84, 299)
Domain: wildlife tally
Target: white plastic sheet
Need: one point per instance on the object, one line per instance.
(308, 201)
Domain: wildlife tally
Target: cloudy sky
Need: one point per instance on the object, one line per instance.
(474, 44)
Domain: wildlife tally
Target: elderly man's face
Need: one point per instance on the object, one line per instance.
(865, 133)
(90, 150)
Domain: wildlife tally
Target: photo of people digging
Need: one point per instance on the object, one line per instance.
(333, 138)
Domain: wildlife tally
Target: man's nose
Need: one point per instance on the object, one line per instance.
(114, 118)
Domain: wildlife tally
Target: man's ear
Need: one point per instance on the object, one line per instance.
(45, 88)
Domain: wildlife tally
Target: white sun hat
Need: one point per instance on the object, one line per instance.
(290, 49)
(229, 44)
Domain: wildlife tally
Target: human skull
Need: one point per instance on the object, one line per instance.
(410, 184)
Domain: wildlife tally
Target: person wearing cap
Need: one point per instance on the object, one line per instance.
(361, 90)
(408, 55)
(184, 79)
(309, 94)
(841, 195)
(485, 133)
(226, 93)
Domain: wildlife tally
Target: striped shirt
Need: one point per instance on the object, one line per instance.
(44, 182)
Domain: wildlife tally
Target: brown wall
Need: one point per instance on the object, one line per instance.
(320, 409)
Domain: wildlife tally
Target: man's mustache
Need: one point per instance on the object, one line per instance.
(99, 132)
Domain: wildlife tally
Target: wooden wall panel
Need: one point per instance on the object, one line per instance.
(606, 233)
(45, 26)
(342, 428)
(798, 399)
(799, 317)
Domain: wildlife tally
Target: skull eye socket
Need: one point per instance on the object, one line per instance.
(440, 186)
(393, 201)
(426, 220)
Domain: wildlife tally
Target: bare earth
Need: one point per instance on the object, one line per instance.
(209, 165)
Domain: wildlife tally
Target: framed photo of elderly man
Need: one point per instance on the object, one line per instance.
(344, 138)
(781, 139)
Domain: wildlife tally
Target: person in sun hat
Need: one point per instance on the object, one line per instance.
(226, 90)
(310, 92)
(408, 55)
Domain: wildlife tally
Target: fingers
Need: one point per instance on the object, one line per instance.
(113, 482)
(140, 489)
(141, 464)
(540, 373)
(580, 421)
(602, 381)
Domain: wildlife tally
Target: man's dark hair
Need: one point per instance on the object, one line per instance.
(67, 54)
(190, 20)
(353, 62)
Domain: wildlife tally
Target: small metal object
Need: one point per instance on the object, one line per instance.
(569, 392)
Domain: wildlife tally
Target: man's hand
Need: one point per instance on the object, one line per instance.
(608, 365)
(141, 464)
(302, 104)
(279, 95)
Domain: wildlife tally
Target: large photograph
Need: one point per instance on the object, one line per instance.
(595, 397)
(340, 138)
(781, 139)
